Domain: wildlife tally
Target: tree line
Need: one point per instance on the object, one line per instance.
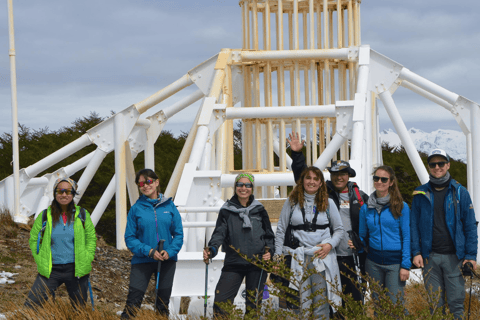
(35, 145)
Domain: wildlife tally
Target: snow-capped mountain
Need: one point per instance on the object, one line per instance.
(453, 142)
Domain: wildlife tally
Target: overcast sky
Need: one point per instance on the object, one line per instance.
(74, 57)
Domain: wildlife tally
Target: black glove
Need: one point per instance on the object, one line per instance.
(357, 243)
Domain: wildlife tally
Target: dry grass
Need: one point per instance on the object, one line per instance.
(62, 309)
(110, 287)
(8, 228)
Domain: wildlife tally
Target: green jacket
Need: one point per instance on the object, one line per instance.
(85, 244)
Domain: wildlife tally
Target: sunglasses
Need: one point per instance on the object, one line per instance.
(440, 164)
(148, 182)
(241, 184)
(383, 179)
(62, 191)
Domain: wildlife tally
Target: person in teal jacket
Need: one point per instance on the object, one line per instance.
(385, 231)
(63, 246)
(152, 218)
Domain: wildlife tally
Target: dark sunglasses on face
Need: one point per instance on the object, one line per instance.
(148, 182)
(241, 184)
(62, 191)
(384, 179)
(440, 164)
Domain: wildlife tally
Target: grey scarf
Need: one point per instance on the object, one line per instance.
(378, 203)
(243, 213)
(440, 182)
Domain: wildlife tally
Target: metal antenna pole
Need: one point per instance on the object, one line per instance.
(13, 85)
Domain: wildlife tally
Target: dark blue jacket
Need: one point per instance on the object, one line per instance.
(141, 232)
(461, 225)
(387, 238)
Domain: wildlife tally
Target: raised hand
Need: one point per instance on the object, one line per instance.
(294, 141)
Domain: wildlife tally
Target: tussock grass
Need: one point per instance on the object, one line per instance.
(8, 228)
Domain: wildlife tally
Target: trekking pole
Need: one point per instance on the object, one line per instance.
(266, 250)
(206, 282)
(470, 299)
(91, 294)
(159, 249)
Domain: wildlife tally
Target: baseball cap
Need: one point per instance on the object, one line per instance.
(438, 152)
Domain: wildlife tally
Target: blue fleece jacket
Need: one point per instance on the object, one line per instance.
(142, 233)
(387, 238)
(461, 224)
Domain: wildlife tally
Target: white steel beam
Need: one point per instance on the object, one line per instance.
(58, 156)
(327, 154)
(182, 104)
(402, 131)
(281, 112)
(199, 146)
(120, 191)
(261, 180)
(78, 165)
(89, 172)
(429, 86)
(316, 54)
(13, 87)
(163, 94)
(104, 201)
(475, 164)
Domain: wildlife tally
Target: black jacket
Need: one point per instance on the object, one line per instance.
(231, 230)
(298, 165)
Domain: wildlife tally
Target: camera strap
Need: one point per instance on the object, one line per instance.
(315, 215)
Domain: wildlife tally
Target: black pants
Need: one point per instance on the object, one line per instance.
(346, 265)
(140, 276)
(230, 281)
(77, 288)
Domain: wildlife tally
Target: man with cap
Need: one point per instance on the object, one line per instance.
(349, 199)
(443, 232)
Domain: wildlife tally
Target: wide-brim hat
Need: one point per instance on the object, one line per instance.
(438, 152)
(341, 166)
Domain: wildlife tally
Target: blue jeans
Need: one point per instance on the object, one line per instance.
(443, 272)
(388, 276)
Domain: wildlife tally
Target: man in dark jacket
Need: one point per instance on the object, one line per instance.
(444, 233)
(349, 199)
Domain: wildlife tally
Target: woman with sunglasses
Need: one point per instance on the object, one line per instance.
(317, 225)
(63, 244)
(151, 219)
(385, 231)
(242, 224)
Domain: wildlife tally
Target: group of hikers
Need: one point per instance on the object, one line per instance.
(330, 227)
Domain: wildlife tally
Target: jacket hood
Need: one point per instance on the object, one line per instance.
(146, 202)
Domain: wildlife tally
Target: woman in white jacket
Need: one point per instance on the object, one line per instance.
(317, 225)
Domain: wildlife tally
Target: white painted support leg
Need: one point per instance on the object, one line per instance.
(402, 131)
(121, 190)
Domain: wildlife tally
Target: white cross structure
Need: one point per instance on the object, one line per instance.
(302, 68)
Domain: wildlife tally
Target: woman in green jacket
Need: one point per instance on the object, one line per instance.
(63, 243)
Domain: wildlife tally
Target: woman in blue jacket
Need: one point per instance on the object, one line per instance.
(152, 218)
(385, 231)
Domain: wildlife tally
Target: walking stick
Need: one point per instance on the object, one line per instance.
(206, 283)
(266, 250)
(159, 249)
